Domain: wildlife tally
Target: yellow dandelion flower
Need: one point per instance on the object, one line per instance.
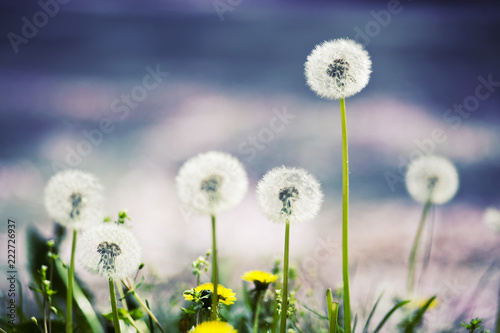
(260, 279)
(226, 295)
(419, 302)
(214, 327)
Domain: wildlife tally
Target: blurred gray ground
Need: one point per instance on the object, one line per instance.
(227, 80)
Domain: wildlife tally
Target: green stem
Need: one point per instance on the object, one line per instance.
(414, 249)
(284, 295)
(51, 274)
(215, 272)
(146, 308)
(133, 322)
(333, 308)
(345, 220)
(259, 295)
(145, 305)
(497, 328)
(122, 296)
(116, 321)
(69, 296)
(44, 310)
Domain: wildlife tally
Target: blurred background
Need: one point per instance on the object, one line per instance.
(129, 90)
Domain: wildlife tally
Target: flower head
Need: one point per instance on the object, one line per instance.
(432, 178)
(419, 302)
(492, 218)
(110, 250)
(289, 194)
(260, 279)
(203, 293)
(214, 327)
(211, 183)
(73, 198)
(338, 68)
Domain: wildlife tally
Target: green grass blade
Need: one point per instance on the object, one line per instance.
(81, 300)
(389, 314)
(367, 324)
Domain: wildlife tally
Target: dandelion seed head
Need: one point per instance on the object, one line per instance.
(289, 194)
(432, 177)
(73, 198)
(211, 183)
(338, 68)
(109, 250)
(492, 218)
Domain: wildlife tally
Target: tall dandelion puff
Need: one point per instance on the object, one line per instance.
(208, 184)
(211, 183)
(338, 69)
(111, 251)
(430, 180)
(73, 198)
(288, 195)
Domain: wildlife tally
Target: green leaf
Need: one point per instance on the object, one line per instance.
(108, 316)
(123, 314)
(81, 300)
(139, 283)
(189, 311)
(367, 324)
(389, 314)
(136, 313)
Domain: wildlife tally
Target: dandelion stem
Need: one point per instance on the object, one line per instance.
(116, 321)
(259, 295)
(69, 296)
(146, 308)
(141, 302)
(284, 302)
(122, 296)
(51, 275)
(497, 328)
(215, 272)
(345, 220)
(133, 322)
(44, 311)
(414, 248)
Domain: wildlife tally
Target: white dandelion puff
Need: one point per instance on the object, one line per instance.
(432, 178)
(109, 250)
(338, 68)
(73, 198)
(492, 218)
(290, 194)
(211, 183)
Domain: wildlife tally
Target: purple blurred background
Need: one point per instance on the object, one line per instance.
(232, 70)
